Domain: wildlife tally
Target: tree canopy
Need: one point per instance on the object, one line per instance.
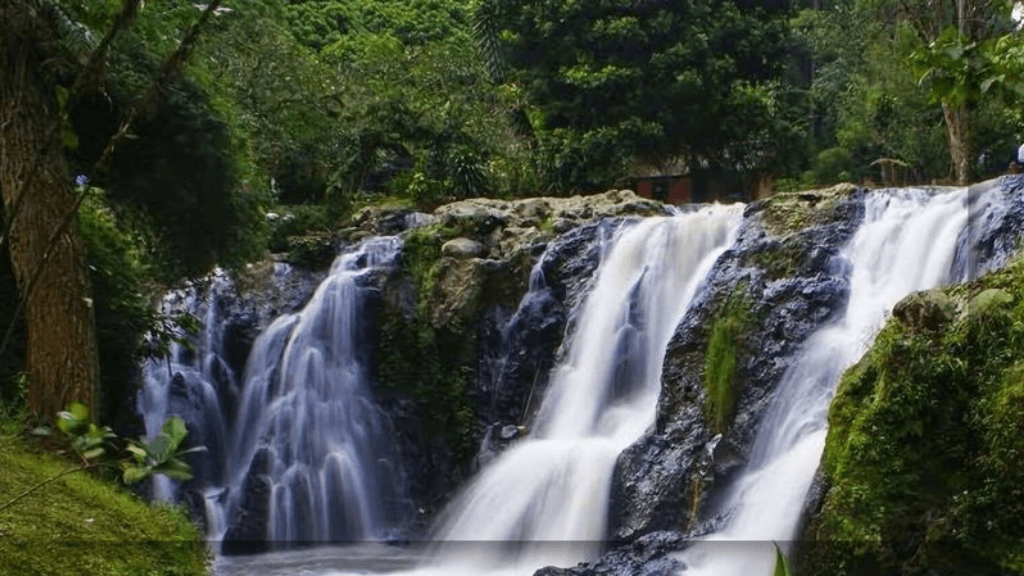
(613, 83)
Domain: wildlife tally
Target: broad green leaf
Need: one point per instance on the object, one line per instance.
(65, 422)
(133, 474)
(93, 453)
(79, 411)
(158, 449)
(137, 451)
(175, 430)
(175, 469)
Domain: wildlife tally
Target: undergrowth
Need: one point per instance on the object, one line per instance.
(83, 525)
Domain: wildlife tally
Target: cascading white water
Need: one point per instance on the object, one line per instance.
(187, 382)
(907, 242)
(544, 500)
(306, 399)
(305, 416)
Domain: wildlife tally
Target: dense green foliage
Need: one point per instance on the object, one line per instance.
(119, 269)
(613, 84)
(925, 437)
(878, 72)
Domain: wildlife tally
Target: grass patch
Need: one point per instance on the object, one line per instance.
(720, 361)
(83, 525)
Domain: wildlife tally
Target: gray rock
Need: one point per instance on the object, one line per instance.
(463, 248)
(509, 432)
(665, 480)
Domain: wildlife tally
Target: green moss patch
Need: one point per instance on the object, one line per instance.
(721, 374)
(925, 442)
(787, 213)
(82, 525)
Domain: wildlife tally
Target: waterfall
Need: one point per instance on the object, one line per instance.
(544, 500)
(910, 240)
(306, 425)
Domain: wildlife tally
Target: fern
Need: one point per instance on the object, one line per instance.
(487, 32)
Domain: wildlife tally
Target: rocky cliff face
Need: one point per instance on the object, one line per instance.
(469, 324)
(779, 285)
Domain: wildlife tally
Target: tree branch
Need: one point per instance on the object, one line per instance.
(80, 468)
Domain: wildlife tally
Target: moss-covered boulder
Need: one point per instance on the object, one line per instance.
(926, 435)
(925, 311)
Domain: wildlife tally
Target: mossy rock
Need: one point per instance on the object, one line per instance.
(925, 437)
(311, 252)
(788, 213)
(929, 310)
(987, 303)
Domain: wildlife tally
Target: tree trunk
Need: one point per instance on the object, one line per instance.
(62, 362)
(956, 134)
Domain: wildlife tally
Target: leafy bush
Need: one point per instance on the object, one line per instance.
(833, 165)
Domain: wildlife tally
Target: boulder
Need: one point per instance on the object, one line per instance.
(926, 311)
(988, 303)
(463, 248)
(248, 528)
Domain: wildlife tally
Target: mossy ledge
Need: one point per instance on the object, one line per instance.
(86, 526)
(922, 462)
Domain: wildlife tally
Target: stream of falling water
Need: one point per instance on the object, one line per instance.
(306, 422)
(544, 500)
(907, 242)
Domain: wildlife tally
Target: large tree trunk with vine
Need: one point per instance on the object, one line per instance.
(62, 362)
(956, 134)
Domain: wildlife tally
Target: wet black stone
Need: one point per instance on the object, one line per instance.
(248, 528)
(669, 479)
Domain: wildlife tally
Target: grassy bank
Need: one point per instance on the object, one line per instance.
(82, 525)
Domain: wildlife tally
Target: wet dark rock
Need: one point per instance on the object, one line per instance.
(794, 284)
(991, 236)
(647, 556)
(247, 530)
(514, 375)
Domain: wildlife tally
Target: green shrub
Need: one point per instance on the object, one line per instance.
(832, 165)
